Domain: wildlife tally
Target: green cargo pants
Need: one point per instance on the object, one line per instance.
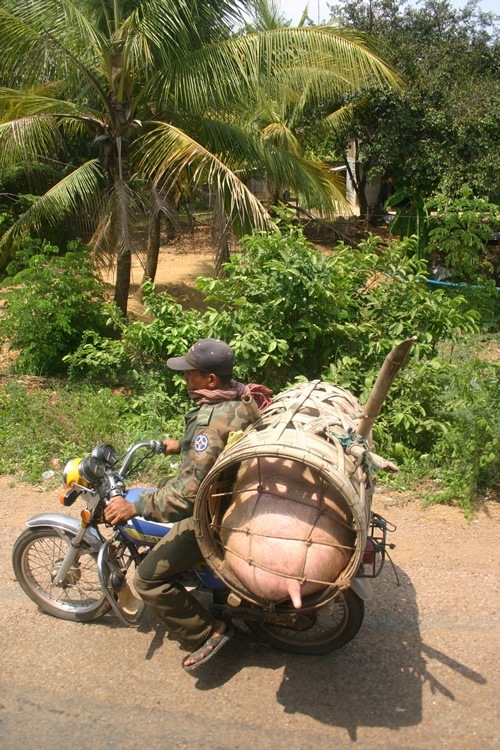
(155, 581)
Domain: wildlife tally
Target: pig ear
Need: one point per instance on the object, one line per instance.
(294, 593)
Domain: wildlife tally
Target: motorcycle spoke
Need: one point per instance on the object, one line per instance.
(82, 588)
(330, 618)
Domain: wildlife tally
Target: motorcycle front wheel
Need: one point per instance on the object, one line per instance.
(36, 559)
(318, 631)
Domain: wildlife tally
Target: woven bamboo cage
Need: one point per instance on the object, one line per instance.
(306, 436)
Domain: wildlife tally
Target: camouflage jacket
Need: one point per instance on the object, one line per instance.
(207, 431)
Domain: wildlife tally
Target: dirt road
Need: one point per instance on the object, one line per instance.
(422, 672)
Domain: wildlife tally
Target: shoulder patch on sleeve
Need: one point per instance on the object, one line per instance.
(201, 443)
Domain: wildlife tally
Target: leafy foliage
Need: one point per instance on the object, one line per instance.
(58, 422)
(299, 312)
(439, 131)
(464, 460)
(49, 304)
(461, 227)
(138, 357)
(292, 312)
(411, 217)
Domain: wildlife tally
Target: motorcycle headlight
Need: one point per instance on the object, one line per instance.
(83, 471)
(71, 473)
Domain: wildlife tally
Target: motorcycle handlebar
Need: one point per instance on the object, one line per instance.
(156, 446)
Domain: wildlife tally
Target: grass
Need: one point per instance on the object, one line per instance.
(42, 421)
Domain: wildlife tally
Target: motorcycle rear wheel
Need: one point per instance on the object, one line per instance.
(36, 558)
(316, 632)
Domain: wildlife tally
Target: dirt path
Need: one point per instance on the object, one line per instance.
(180, 263)
(422, 673)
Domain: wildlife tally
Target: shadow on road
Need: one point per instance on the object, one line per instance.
(375, 681)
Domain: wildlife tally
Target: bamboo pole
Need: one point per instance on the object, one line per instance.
(385, 378)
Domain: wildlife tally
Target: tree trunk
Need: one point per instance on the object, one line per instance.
(121, 111)
(123, 243)
(379, 210)
(222, 256)
(153, 250)
(220, 236)
(122, 286)
(158, 206)
(360, 185)
(359, 178)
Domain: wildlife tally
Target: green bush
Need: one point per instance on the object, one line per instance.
(289, 308)
(464, 461)
(138, 358)
(50, 303)
(290, 311)
(483, 298)
(410, 422)
(41, 421)
(460, 229)
(283, 304)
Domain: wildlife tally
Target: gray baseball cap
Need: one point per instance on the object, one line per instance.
(207, 355)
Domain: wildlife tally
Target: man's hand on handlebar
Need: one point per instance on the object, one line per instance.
(118, 510)
(171, 446)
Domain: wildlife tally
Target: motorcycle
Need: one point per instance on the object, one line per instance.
(81, 570)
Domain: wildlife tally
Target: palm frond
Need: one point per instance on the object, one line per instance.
(76, 192)
(36, 38)
(120, 224)
(138, 54)
(322, 58)
(19, 103)
(342, 116)
(178, 26)
(227, 155)
(266, 15)
(242, 150)
(281, 136)
(167, 151)
(28, 139)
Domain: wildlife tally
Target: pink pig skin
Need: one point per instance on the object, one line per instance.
(287, 533)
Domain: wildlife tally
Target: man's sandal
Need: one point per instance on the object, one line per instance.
(207, 650)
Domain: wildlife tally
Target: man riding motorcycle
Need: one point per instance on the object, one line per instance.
(207, 368)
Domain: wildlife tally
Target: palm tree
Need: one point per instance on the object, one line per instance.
(266, 15)
(162, 89)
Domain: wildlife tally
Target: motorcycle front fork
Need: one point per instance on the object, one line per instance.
(71, 556)
(76, 542)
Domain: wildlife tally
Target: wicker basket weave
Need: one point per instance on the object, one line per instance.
(310, 425)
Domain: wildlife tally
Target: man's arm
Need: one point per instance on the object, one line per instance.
(174, 498)
(119, 510)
